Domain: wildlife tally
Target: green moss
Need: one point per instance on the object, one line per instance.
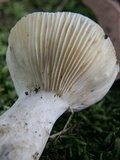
(94, 133)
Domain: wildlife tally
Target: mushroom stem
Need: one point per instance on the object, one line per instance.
(26, 126)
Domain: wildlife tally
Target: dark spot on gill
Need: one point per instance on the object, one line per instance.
(10, 48)
(26, 93)
(82, 104)
(36, 90)
(35, 156)
(7, 153)
(106, 36)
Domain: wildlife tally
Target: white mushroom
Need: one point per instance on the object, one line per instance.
(56, 60)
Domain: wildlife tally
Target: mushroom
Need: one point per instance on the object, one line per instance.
(57, 61)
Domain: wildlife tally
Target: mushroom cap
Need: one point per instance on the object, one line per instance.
(63, 52)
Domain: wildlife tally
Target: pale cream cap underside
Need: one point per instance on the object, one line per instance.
(65, 53)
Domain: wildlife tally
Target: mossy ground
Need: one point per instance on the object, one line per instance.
(94, 133)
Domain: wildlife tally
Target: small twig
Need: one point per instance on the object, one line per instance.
(69, 119)
(58, 133)
(65, 127)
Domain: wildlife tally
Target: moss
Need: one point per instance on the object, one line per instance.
(93, 133)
